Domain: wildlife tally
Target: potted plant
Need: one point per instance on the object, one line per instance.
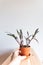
(24, 49)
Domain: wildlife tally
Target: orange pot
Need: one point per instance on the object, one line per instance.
(25, 51)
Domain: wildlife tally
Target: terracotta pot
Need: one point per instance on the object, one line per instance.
(25, 51)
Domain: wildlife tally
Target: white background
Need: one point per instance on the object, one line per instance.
(21, 14)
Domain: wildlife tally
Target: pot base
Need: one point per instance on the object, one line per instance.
(24, 55)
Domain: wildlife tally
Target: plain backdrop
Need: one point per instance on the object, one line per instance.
(21, 14)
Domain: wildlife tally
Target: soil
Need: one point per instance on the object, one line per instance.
(24, 46)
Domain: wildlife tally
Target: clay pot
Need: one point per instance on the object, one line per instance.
(25, 51)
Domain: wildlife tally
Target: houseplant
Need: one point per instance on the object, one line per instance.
(24, 49)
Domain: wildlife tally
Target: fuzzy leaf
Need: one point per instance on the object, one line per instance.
(21, 34)
(10, 34)
(18, 32)
(36, 40)
(36, 31)
(27, 33)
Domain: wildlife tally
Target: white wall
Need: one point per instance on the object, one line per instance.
(21, 14)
